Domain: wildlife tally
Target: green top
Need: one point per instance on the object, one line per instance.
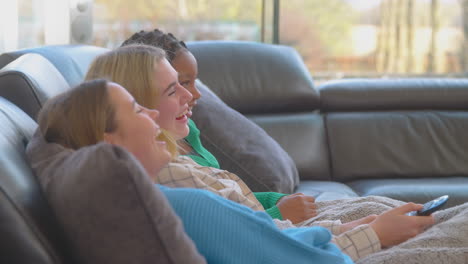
(204, 158)
(200, 154)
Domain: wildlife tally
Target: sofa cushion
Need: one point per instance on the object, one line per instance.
(110, 210)
(303, 137)
(394, 94)
(29, 81)
(397, 144)
(254, 77)
(326, 190)
(28, 228)
(72, 61)
(418, 190)
(242, 147)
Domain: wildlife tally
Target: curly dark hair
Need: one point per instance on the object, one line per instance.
(157, 38)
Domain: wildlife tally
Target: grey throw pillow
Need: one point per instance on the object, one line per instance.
(109, 208)
(242, 147)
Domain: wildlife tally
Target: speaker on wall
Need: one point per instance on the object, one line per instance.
(81, 22)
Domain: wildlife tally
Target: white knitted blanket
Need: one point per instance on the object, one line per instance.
(445, 242)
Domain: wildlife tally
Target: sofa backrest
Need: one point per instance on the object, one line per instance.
(396, 128)
(29, 230)
(72, 61)
(29, 81)
(29, 77)
(256, 78)
(270, 85)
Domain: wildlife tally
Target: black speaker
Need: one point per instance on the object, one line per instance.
(81, 22)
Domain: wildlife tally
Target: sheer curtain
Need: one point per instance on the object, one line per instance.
(30, 23)
(8, 25)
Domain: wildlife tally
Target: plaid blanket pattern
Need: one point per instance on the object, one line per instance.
(184, 172)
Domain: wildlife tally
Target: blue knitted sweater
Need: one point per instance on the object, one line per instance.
(204, 158)
(226, 232)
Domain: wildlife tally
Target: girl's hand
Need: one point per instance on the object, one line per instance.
(394, 226)
(297, 207)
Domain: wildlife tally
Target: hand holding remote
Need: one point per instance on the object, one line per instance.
(394, 226)
(430, 207)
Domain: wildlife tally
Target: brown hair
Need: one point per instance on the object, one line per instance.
(78, 117)
(133, 67)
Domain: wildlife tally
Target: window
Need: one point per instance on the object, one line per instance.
(347, 38)
(336, 38)
(114, 21)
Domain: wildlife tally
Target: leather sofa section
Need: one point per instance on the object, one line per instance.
(303, 137)
(256, 78)
(72, 61)
(419, 190)
(29, 81)
(30, 233)
(394, 94)
(326, 190)
(405, 144)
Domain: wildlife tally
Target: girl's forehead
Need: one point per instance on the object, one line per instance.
(185, 64)
(117, 93)
(184, 55)
(164, 74)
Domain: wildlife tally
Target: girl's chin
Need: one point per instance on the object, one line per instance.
(165, 157)
(181, 133)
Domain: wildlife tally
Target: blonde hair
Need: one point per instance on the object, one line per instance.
(78, 117)
(133, 67)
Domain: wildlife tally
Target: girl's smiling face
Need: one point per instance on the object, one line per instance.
(186, 65)
(173, 102)
(137, 130)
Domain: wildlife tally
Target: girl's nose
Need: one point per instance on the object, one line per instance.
(186, 96)
(154, 114)
(195, 92)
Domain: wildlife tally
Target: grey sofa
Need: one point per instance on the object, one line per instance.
(401, 138)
